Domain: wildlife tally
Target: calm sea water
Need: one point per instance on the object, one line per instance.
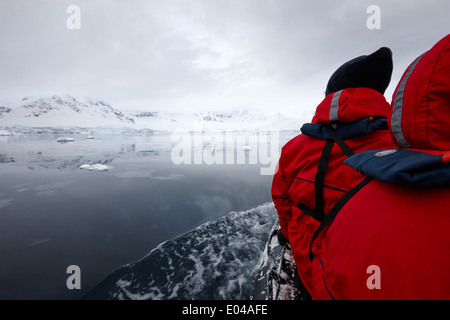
(54, 214)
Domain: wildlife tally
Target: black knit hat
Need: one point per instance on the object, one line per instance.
(373, 71)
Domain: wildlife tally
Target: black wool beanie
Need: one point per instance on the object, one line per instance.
(373, 71)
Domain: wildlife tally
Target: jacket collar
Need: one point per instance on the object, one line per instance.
(345, 130)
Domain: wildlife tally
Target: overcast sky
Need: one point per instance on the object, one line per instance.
(172, 55)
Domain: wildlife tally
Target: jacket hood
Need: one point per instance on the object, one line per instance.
(421, 102)
(419, 124)
(351, 104)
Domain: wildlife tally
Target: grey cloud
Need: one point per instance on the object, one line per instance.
(172, 54)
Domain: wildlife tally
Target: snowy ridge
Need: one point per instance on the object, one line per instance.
(72, 114)
(217, 261)
(237, 120)
(62, 111)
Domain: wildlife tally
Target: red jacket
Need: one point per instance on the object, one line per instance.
(360, 114)
(391, 240)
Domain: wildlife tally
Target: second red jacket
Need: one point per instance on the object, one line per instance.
(359, 117)
(392, 240)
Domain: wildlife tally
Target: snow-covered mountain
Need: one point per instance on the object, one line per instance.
(32, 115)
(62, 111)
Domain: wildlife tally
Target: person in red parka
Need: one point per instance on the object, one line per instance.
(391, 240)
(310, 176)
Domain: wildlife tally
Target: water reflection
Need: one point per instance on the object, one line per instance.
(53, 214)
(4, 158)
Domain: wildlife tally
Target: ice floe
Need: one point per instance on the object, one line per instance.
(95, 167)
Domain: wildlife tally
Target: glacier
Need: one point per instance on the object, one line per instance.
(65, 114)
(218, 260)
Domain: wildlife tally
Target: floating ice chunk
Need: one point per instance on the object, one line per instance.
(100, 167)
(96, 167)
(5, 133)
(65, 140)
(246, 148)
(38, 241)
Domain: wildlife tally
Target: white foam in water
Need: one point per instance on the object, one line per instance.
(218, 260)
